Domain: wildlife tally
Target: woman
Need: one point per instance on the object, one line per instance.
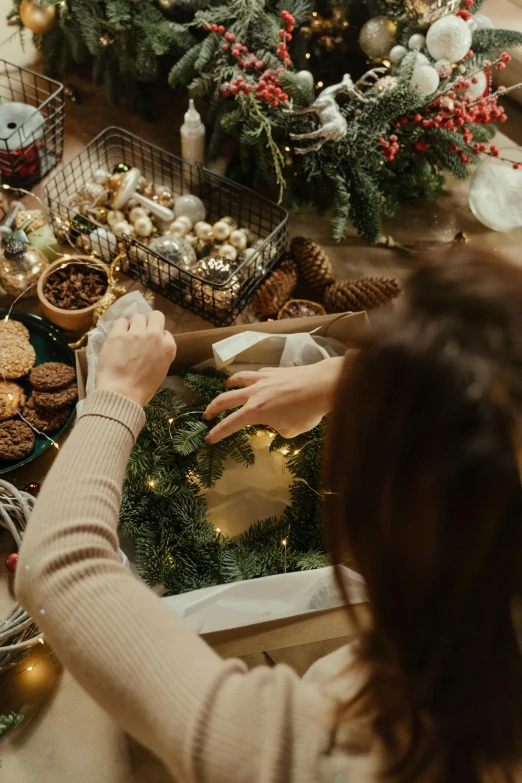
(421, 462)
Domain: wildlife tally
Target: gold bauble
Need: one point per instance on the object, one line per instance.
(38, 17)
(166, 199)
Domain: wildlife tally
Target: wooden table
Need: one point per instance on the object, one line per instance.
(66, 736)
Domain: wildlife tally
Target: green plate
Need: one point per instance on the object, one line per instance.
(50, 346)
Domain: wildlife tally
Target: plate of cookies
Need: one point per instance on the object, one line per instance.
(38, 389)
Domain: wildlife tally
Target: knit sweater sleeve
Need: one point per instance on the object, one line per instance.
(207, 719)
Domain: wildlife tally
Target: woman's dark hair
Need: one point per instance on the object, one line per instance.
(421, 461)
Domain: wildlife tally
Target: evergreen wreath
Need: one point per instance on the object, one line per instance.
(165, 513)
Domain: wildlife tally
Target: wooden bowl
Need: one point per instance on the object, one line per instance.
(69, 320)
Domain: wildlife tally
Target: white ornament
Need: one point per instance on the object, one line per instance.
(143, 227)
(444, 68)
(191, 239)
(483, 22)
(178, 228)
(421, 60)
(495, 195)
(238, 239)
(425, 79)
(462, 69)
(186, 220)
(191, 206)
(136, 213)
(100, 175)
(477, 86)
(103, 241)
(227, 251)
(203, 231)
(377, 37)
(306, 79)
(449, 38)
(417, 41)
(114, 216)
(397, 54)
(123, 227)
(221, 230)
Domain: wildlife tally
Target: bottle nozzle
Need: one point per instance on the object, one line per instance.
(192, 116)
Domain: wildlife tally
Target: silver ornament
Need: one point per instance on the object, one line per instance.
(495, 194)
(397, 54)
(175, 250)
(191, 206)
(377, 37)
(417, 42)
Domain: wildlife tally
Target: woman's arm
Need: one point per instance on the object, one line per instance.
(208, 720)
(292, 400)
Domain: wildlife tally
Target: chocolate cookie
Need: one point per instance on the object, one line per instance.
(45, 421)
(17, 356)
(52, 401)
(16, 440)
(52, 376)
(12, 327)
(12, 398)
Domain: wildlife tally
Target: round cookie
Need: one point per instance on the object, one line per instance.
(53, 401)
(12, 328)
(16, 440)
(12, 398)
(45, 421)
(17, 356)
(51, 376)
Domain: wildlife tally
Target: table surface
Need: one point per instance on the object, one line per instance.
(65, 731)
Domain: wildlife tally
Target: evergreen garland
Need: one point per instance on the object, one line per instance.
(350, 180)
(165, 513)
(9, 722)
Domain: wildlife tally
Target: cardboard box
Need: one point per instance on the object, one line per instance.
(302, 639)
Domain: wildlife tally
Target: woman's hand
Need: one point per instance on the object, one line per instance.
(136, 357)
(292, 400)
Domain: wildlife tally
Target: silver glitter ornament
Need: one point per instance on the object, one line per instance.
(175, 250)
(377, 37)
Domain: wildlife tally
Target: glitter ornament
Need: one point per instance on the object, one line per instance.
(227, 251)
(425, 12)
(417, 42)
(444, 68)
(397, 54)
(11, 562)
(143, 227)
(100, 176)
(495, 194)
(191, 206)
(136, 213)
(221, 230)
(215, 269)
(377, 37)
(175, 250)
(203, 231)
(114, 216)
(238, 239)
(123, 227)
(449, 38)
(32, 489)
(425, 79)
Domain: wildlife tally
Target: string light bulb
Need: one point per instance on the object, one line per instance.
(170, 421)
(307, 56)
(29, 669)
(284, 542)
(319, 85)
(151, 483)
(218, 530)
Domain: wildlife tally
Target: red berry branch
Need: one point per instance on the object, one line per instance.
(263, 80)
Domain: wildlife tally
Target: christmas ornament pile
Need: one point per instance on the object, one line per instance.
(124, 204)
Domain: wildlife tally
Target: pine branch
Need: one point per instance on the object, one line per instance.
(495, 41)
(9, 722)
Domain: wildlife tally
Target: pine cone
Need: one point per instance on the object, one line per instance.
(313, 263)
(275, 291)
(363, 294)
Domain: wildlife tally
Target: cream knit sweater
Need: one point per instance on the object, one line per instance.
(207, 719)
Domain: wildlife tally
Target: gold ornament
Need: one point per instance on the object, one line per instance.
(149, 190)
(113, 292)
(38, 17)
(20, 267)
(166, 199)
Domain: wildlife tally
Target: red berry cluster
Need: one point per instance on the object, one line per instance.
(422, 145)
(390, 148)
(269, 88)
(286, 37)
(234, 88)
(464, 15)
(469, 3)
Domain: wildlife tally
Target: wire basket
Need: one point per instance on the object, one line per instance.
(31, 125)
(219, 303)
